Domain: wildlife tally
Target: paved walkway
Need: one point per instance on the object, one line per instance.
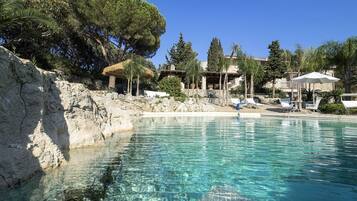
(261, 111)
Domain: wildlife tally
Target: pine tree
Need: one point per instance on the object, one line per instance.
(180, 54)
(215, 55)
(276, 67)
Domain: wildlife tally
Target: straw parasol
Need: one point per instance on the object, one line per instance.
(117, 70)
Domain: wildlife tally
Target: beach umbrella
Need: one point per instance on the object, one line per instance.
(313, 78)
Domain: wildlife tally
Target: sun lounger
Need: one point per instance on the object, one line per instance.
(349, 104)
(237, 103)
(286, 105)
(152, 94)
(250, 102)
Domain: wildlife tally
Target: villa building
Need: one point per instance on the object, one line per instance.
(210, 79)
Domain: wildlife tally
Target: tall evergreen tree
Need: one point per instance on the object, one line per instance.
(181, 54)
(215, 55)
(276, 66)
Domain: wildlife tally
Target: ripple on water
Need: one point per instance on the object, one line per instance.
(191, 158)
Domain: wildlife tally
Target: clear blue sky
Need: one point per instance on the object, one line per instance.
(255, 23)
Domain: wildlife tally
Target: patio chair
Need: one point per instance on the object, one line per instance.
(314, 107)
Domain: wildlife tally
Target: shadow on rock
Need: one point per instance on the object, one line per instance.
(34, 134)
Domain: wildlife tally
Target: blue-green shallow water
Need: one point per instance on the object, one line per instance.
(214, 159)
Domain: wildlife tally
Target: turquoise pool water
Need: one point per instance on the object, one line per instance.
(192, 158)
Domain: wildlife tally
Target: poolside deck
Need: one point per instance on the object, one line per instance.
(262, 111)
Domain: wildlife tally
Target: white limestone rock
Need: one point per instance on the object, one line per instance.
(42, 117)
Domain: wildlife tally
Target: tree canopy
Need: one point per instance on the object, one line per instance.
(85, 35)
(342, 55)
(276, 66)
(181, 54)
(215, 55)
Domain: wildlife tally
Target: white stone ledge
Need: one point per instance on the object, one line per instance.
(190, 114)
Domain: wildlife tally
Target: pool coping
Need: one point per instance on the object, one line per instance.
(189, 114)
(251, 115)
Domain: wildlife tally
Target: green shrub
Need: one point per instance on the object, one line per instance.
(334, 95)
(181, 98)
(333, 108)
(172, 86)
(235, 92)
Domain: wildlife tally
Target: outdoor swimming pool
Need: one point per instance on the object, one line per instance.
(223, 158)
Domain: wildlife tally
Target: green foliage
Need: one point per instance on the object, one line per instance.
(180, 54)
(235, 92)
(302, 60)
(278, 92)
(14, 13)
(276, 66)
(135, 67)
(215, 56)
(153, 83)
(334, 95)
(172, 86)
(333, 108)
(248, 65)
(297, 59)
(193, 72)
(344, 57)
(181, 98)
(88, 34)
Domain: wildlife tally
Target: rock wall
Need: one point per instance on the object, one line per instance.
(170, 105)
(42, 117)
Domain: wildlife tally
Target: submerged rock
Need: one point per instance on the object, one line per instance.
(223, 193)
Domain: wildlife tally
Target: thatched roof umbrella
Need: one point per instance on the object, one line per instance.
(117, 70)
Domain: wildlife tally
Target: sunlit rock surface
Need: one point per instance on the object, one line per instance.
(42, 117)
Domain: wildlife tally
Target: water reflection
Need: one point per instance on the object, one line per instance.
(188, 158)
(85, 176)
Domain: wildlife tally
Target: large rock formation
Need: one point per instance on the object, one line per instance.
(42, 117)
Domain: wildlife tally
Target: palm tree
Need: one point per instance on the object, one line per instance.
(129, 69)
(134, 69)
(243, 65)
(255, 69)
(139, 71)
(304, 60)
(226, 65)
(248, 66)
(13, 12)
(222, 63)
(193, 73)
(343, 56)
